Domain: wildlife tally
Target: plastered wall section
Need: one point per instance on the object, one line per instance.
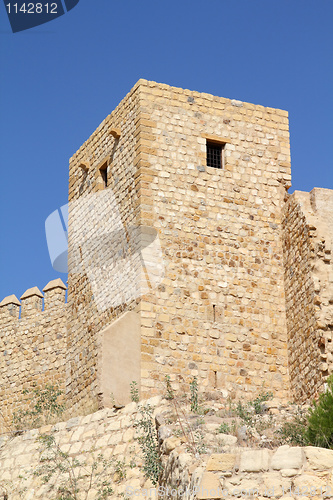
(308, 235)
(219, 313)
(104, 270)
(32, 349)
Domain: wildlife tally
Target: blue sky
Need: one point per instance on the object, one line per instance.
(60, 80)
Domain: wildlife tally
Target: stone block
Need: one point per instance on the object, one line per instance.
(254, 460)
(310, 482)
(221, 462)
(287, 457)
(274, 486)
(318, 458)
(170, 444)
(226, 439)
(210, 487)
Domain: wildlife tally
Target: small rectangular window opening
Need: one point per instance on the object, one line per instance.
(215, 154)
(104, 174)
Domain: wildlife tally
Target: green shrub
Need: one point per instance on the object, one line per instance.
(63, 473)
(257, 405)
(247, 411)
(319, 430)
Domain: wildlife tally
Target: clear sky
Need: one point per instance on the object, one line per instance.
(60, 80)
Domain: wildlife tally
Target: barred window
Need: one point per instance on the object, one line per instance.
(215, 154)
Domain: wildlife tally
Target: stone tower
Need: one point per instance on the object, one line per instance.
(186, 242)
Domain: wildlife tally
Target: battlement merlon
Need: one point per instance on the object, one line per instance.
(32, 301)
(55, 294)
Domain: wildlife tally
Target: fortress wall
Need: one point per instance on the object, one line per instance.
(104, 274)
(219, 313)
(308, 236)
(32, 347)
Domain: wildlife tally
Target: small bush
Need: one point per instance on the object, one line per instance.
(319, 430)
(169, 391)
(257, 405)
(224, 428)
(63, 473)
(247, 411)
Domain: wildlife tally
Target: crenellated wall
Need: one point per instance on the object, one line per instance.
(32, 345)
(308, 266)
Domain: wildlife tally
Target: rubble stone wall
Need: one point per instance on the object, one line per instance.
(232, 471)
(287, 472)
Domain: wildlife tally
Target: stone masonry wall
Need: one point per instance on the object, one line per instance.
(219, 313)
(32, 346)
(308, 236)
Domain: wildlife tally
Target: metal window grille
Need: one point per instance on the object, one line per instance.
(214, 155)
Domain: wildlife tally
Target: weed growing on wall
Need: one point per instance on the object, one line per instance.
(134, 392)
(294, 432)
(194, 395)
(44, 408)
(64, 473)
(169, 391)
(247, 411)
(148, 441)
